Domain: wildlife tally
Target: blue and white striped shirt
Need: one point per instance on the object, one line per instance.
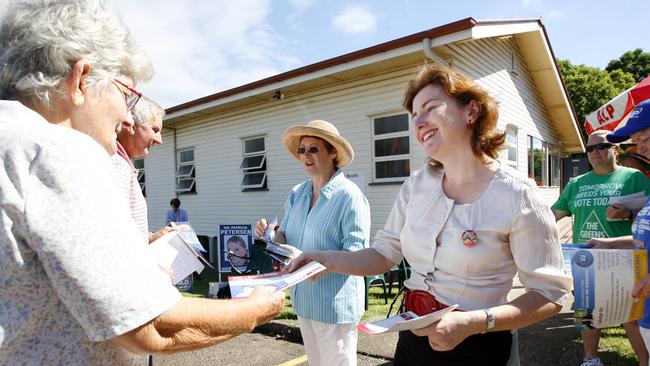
(339, 220)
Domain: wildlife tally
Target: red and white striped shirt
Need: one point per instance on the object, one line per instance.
(127, 179)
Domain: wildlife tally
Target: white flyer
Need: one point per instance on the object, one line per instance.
(243, 286)
(404, 321)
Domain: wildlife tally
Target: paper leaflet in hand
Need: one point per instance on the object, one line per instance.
(173, 253)
(632, 202)
(189, 236)
(243, 286)
(568, 249)
(281, 252)
(269, 232)
(404, 321)
(603, 280)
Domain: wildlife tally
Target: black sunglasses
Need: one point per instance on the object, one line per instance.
(313, 149)
(600, 147)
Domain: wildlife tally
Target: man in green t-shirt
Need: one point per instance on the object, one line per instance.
(586, 197)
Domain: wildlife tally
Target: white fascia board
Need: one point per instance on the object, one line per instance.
(497, 29)
(451, 38)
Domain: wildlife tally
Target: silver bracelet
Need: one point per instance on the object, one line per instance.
(490, 320)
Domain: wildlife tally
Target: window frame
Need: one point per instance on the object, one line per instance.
(391, 135)
(141, 177)
(513, 163)
(190, 176)
(261, 168)
(551, 164)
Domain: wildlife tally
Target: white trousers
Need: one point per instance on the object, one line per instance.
(645, 334)
(329, 344)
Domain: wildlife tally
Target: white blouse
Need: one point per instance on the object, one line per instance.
(516, 233)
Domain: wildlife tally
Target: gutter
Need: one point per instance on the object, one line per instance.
(426, 47)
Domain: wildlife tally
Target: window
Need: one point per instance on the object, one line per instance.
(554, 165)
(253, 164)
(511, 143)
(139, 164)
(536, 161)
(543, 162)
(185, 172)
(391, 148)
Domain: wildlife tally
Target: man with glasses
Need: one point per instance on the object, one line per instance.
(586, 197)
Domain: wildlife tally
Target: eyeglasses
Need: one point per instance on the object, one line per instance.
(313, 149)
(130, 99)
(600, 147)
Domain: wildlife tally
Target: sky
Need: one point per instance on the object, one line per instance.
(202, 47)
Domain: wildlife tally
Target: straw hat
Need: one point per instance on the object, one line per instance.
(323, 130)
(632, 152)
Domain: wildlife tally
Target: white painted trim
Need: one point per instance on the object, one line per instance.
(482, 30)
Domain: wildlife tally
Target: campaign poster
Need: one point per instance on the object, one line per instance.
(235, 243)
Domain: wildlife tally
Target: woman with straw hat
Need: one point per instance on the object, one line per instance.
(325, 212)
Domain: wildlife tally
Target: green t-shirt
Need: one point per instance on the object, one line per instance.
(587, 197)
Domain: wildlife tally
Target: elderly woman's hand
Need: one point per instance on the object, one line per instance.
(452, 329)
(271, 303)
(166, 230)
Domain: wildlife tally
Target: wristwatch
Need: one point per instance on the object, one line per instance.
(490, 320)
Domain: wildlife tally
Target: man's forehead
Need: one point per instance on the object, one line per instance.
(596, 139)
(154, 122)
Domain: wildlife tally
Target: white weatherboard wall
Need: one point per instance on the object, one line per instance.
(217, 140)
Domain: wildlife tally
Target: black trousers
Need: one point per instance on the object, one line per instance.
(480, 349)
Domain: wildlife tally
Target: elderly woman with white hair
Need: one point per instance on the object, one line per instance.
(325, 212)
(78, 284)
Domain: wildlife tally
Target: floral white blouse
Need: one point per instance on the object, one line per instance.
(74, 270)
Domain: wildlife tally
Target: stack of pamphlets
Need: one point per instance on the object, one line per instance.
(243, 286)
(404, 321)
(189, 235)
(603, 280)
(283, 253)
(172, 252)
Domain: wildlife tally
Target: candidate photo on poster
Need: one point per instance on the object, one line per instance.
(236, 251)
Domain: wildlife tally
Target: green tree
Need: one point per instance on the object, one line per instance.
(634, 62)
(590, 87)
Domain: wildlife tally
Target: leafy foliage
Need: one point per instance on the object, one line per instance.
(634, 62)
(590, 87)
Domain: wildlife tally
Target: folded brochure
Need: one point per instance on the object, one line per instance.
(404, 321)
(279, 251)
(189, 236)
(172, 252)
(243, 286)
(603, 280)
(632, 202)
